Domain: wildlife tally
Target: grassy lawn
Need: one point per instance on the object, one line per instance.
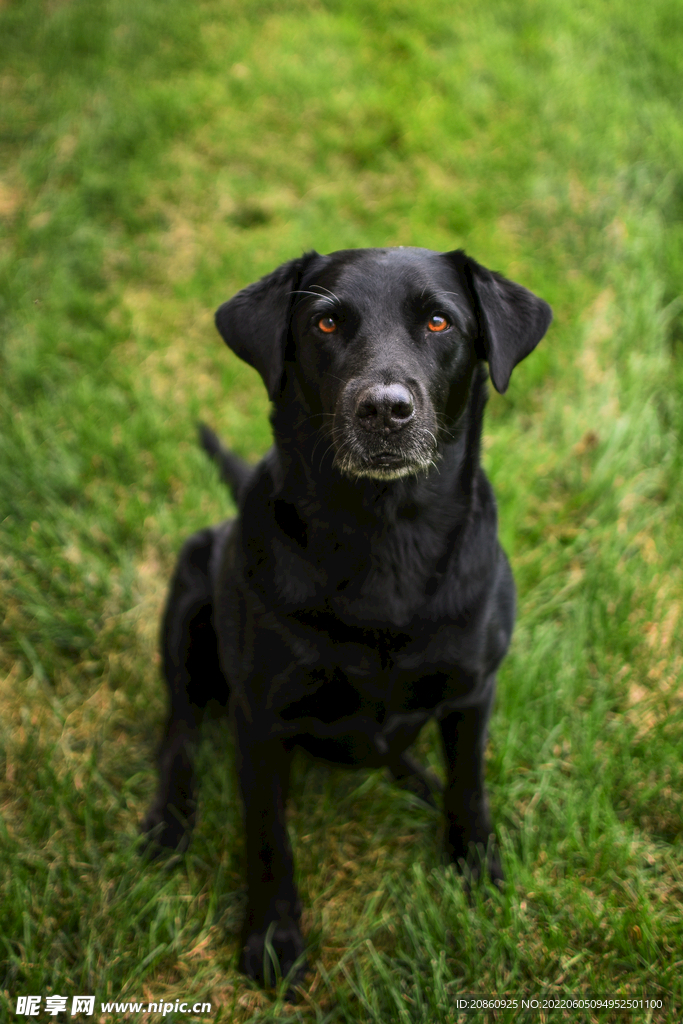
(157, 155)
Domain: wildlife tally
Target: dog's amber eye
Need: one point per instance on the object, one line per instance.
(437, 323)
(327, 324)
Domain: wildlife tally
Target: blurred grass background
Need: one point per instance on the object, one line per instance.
(155, 156)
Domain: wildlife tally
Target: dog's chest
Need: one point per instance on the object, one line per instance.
(384, 579)
(354, 618)
(333, 670)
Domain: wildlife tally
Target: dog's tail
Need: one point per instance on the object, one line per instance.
(235, 472)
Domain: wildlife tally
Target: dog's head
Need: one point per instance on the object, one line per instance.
(381, 345)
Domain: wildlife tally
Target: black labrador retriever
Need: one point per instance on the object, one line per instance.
(361, 589)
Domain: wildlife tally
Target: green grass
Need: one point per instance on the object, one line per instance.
(156, 156)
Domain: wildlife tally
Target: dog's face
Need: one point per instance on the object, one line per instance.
(381, 345)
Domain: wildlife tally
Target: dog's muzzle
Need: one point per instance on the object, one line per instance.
(384, 431)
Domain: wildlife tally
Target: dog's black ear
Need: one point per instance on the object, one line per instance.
(254, 322)
(511, 319)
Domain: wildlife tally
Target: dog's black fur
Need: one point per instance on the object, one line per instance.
(362, 589)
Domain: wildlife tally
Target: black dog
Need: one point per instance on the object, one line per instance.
(362, 589)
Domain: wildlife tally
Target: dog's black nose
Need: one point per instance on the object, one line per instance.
(385, 406)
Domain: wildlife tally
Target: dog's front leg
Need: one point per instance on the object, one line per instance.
(469, 841)
(271, 925)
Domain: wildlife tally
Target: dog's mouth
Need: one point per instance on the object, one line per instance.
(352, 459)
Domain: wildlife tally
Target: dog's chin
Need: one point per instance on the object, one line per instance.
(383, 468)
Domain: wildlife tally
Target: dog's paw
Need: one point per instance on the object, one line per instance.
(425, 786)
(164, 830)
(494, 869)
(479, 865)
(275, 953)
